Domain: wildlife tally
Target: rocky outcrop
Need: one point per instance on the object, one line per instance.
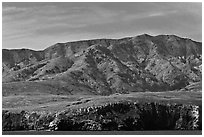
(121, 116)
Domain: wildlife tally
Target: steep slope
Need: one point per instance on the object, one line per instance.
(106, 66)
(17, 59)
(21, 57)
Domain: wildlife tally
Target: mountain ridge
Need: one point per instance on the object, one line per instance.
(83, 40)
(106, 66)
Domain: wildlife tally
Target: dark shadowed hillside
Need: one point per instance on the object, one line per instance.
(106, 66)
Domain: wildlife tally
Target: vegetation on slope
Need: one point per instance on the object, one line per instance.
(107, 66)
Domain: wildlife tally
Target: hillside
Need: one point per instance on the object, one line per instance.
(147, 82)
(106, 66)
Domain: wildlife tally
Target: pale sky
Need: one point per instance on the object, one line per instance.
(40, 25)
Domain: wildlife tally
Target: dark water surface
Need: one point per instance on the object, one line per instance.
(171, 132)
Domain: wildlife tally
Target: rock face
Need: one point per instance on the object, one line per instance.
(107, 66)
(122, 116)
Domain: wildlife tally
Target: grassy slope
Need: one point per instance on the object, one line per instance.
(30, 88)
(47, 97)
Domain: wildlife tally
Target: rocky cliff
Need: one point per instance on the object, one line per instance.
(121, 116)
